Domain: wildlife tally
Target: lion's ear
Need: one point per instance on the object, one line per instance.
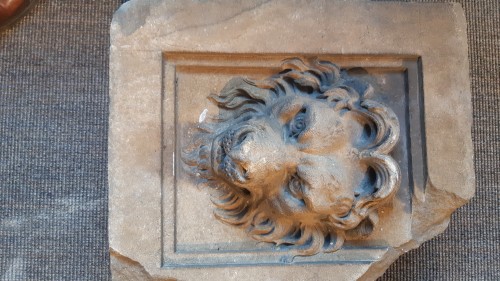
(381, 183)
(385, 124)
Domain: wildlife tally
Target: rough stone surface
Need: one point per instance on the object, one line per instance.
(167, 56)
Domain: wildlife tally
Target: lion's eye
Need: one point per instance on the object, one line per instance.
(298, 124)
(295, 186)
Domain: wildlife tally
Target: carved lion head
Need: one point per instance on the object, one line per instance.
(301, 158)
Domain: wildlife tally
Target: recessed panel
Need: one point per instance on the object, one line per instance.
(191, 235)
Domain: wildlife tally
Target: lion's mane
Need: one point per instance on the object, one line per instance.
(320, 80)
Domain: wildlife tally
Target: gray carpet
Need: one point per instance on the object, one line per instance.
(53, 152)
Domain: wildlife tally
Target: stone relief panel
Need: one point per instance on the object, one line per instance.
(328, 146)
(300, 158)
(281, 107)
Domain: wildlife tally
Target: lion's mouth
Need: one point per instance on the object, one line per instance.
(222, 162)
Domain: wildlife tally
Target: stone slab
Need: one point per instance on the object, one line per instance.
(167, 56)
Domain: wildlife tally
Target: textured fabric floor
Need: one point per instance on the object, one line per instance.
(53, 152)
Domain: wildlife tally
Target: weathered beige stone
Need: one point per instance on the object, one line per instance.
(167, 56)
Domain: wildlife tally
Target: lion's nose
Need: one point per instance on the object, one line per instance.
(251, 153)
(259, 151)
(242, 150)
